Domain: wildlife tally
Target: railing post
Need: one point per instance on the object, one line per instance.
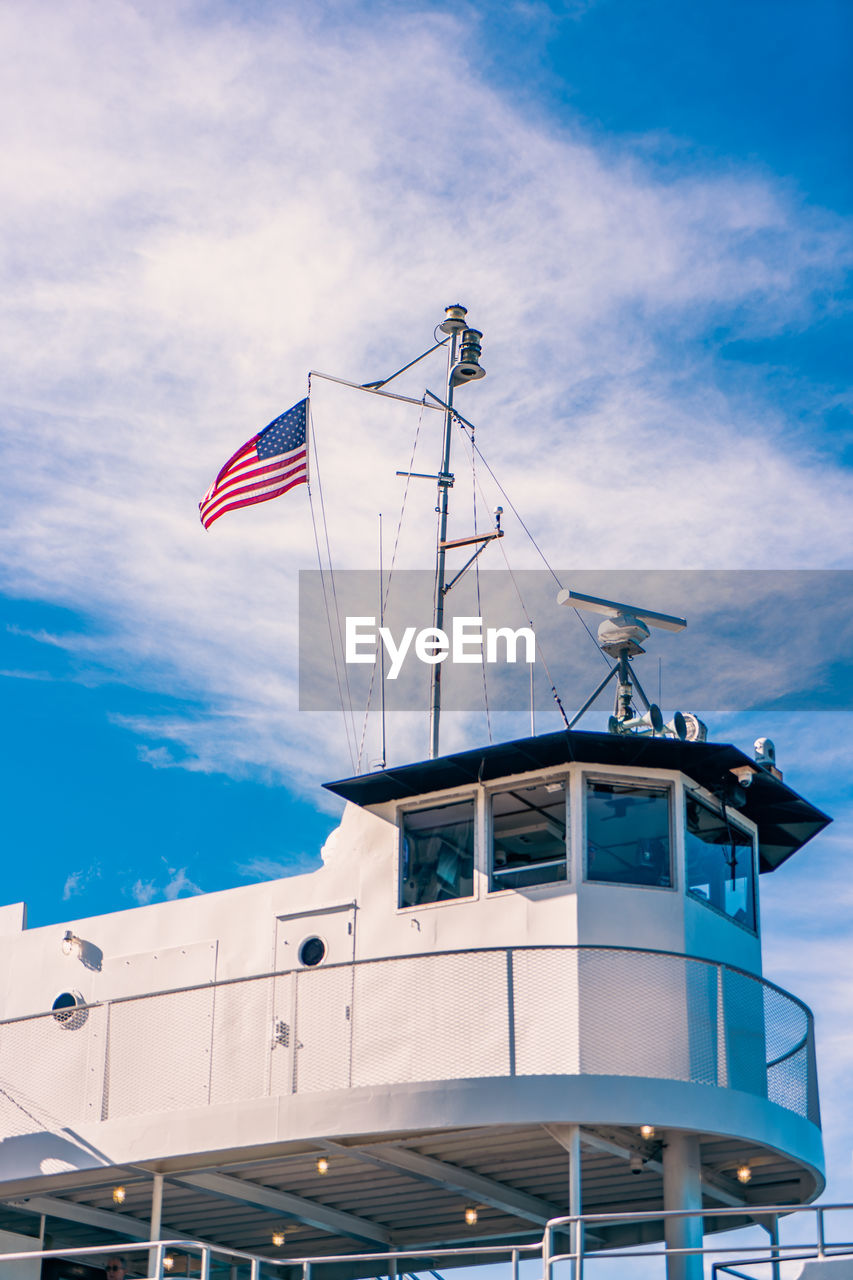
(306, 1271)
(155, 1268)
(821, 1240)
(205, 1264)
(514, 1265)
(255, 1268)
(722, 1047)
(510, 1010)
(546, 1253)
(773, 1232)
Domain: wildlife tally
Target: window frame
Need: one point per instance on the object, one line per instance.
(425, 804)
(665, 784)
(747, 828)
(519, 784)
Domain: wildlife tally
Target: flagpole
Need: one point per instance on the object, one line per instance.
(445, 482)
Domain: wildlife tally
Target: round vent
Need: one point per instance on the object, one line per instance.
(69, 1010)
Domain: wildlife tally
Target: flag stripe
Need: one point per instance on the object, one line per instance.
(261, 497)
(267, 486)
(261, 475)
(272, 462)
(249, 449)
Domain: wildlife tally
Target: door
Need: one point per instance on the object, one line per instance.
(312, 1000)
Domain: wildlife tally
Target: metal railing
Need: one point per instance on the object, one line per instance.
(203, 1259)
(768, 1256)
(494, 1012)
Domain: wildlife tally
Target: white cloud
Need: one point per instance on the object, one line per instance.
(262, 868)
(72, 885)
(143, 892)
(180, 885)
(200, 209)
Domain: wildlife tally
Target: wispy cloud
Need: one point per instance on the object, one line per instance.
(180, 885)
(78, 882)
(261, 868)
(143, 892)
(250, 200)
(177, 884)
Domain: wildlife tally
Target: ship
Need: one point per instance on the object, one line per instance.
(516, 1017)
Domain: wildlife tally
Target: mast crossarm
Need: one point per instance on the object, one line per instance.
(374, 391)
(469, 542)
(461, 543)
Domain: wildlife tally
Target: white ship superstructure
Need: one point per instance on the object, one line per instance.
(525, 983)
(519, 970)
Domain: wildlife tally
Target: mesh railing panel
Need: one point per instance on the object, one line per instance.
(158, 1052)
(787, 1027)
(446, 1016)
(435, 1017)
(545, 1009)
(743, 1004)
(52, 1066)
(242, 1037)
(633, 1014)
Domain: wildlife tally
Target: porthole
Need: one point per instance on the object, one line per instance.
(312, 951)
(69, 1010)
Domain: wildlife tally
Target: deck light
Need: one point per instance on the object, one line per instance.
(71, 944)
(744, 1173)
(471, 1215)
(119, 1195)
(278, 1239)
(168, 1262)
(647, 1131)
(322, 1165)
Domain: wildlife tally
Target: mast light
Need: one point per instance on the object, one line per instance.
(469, 367)
(454, 321)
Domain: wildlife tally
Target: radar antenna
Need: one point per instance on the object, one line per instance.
(620, 635)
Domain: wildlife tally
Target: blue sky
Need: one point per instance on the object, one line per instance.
(646, 209)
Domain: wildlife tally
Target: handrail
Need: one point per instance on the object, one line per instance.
(418, 955)
(721, 1032)
(748, 1255)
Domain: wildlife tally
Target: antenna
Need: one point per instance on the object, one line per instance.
(382, 649)
(620, 635)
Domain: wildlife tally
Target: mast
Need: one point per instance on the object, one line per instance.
(467, 369)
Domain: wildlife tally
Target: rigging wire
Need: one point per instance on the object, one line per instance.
(524, 608)
(477, 579)
(468, 431)
(390, 575)
(348, 727)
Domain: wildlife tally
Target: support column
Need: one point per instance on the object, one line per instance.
(156, 1219)
(682, 1189)
(574, 1150)
(569, 1138)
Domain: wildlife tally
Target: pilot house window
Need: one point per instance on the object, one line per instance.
(437, 854)
(719, 863)
(627, 834)
(528, 836)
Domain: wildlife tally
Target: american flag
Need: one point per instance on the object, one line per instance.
(269, 464)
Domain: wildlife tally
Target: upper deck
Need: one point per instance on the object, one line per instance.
(509, 952)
